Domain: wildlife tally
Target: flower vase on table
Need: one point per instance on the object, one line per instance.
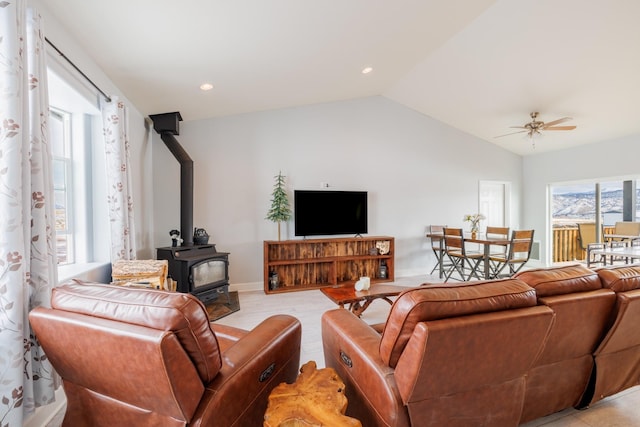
(475, 223)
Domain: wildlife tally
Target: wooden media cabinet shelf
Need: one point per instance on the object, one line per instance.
(317, 263)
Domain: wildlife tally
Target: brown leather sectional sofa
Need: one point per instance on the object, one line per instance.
(617, 357)
(140, 357)
(559, 378)
(491, 353)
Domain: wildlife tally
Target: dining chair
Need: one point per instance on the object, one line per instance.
(460, 258)
(626, 228)
(593, 258)
(517, 256)
(617, 244)
(437, 248)
(497, 233)
(635, 243)
(623, 228)
(588, 241)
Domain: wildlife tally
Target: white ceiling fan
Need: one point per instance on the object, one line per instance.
(535, 127)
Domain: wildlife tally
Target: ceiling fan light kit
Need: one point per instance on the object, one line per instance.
(534, 129)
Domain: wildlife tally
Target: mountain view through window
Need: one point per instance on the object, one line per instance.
(577, 203)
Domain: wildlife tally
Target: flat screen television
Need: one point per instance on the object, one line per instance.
(328, 213)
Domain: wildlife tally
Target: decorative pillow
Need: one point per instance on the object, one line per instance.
(183, 314)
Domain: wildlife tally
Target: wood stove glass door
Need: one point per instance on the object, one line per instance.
(208, 272)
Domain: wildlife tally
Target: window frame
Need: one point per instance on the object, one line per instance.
(89, 212)
(65, 158)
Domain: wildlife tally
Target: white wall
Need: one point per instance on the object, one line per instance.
(611, 159)
(417, 171)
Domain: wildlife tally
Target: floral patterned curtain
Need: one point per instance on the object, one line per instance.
(27, 224)
(119, 190)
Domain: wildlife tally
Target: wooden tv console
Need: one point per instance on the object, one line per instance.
(316, 263)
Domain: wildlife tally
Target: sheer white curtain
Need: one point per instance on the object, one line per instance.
(119, 190)
(27, 223)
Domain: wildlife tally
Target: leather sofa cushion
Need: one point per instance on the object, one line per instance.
(620, 278)
(560, 280)
(180, 313)
(438, 301)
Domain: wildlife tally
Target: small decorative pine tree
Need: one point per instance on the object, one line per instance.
(280, 209)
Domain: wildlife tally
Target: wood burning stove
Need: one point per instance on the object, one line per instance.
(199, 270)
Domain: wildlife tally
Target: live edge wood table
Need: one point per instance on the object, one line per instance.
(316, 399)
(359, 300)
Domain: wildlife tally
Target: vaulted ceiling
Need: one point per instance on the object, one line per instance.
(478, 65)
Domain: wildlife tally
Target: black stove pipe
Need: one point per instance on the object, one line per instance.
(186, 187)
(167, 126)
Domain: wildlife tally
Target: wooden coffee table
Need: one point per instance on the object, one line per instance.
(359, 300)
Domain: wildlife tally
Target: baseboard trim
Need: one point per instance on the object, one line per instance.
(245, 287)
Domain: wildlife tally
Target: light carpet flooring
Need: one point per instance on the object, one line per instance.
(621, 410)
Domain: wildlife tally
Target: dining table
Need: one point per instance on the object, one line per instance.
(608, 237)
(480, 239)
(628, 253)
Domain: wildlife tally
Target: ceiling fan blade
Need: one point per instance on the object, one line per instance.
(518, 127)
(512, 133)
(557, 122)
(560, 128)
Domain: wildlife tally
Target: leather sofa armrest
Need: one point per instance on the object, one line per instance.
(227, 335)
(276, 333)
(227, 332)
(263, 358)
(352, 348)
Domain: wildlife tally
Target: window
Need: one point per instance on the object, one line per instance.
(603, 202)
(75, 123)
(60, 138)
(574, 203)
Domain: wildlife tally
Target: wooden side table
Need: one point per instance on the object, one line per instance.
(316, 399)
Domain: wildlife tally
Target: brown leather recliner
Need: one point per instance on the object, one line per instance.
(449, 355)
(617, 358)
(559, 379)
(140, 357)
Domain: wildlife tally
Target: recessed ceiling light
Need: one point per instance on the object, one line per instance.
(367, 70)
(206, 86)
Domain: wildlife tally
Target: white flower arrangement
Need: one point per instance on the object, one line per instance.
(474, 220)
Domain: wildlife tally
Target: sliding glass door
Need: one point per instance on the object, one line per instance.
(601, 202)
